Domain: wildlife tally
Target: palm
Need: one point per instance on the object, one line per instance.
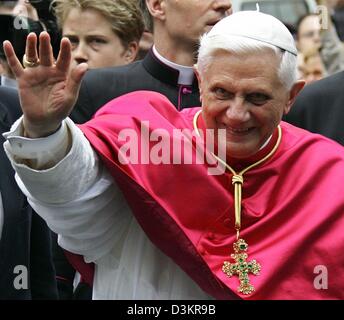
(42, 93)
(49, 90)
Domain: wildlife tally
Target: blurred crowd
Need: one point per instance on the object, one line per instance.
(105, 34)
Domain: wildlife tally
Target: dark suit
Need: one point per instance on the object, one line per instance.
(320, 108)
(102, 85)
(25, 238)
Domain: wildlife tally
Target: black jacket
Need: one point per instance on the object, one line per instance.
(25, 238)
(320, 108)
(102, 85)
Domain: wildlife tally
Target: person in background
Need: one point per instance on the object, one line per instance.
(308, 34)
(25, 9)
(316, 33)
(337, 15)
(319, 108)
(102, 33)
(168, 66)
(146, 41)
(16, 8)
(311, 67)
(26, 263)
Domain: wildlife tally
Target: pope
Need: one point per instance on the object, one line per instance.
(161, 230)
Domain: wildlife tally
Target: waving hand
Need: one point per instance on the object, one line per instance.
(48, 90)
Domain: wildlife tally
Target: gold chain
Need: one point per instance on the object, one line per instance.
(238, 178)
(241, 267)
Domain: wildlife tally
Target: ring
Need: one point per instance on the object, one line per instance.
(29, 64)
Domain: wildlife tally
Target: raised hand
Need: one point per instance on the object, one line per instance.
(47, 90)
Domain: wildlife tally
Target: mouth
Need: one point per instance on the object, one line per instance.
(238, 132)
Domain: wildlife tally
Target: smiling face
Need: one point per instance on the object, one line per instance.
(244, 95)
(93, 40)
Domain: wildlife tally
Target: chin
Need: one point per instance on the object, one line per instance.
(239, 153)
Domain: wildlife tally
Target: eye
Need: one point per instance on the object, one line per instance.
(74, 41)
(222, 94)
(257, 99)
(97, 41)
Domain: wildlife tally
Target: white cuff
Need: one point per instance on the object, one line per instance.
(41, 152)
(73, 167)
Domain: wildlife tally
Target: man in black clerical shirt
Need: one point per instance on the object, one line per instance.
(168, 66)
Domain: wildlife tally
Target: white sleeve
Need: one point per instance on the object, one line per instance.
(76, 195)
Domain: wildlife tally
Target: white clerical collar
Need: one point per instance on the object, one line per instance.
(186, 74)
(266, 143)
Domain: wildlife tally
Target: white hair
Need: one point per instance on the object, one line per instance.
(287, 71)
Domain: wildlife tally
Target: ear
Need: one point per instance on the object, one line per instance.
(199, 79)
(294, 91)
(131, 52)
(156, 8)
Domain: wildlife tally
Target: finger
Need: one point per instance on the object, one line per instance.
(74, 80)
(31, 48)
(65, 55)
(46, 57)
(12, 59)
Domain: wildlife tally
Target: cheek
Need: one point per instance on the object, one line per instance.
(208, 116)
(211, 116)
(272, 119)
(105, 53)
(209, 111)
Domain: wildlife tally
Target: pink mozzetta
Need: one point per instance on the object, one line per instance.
(292, 207)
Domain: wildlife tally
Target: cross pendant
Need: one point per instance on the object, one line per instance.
(241, 267)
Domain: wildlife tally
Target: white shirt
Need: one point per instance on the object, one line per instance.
(80, 201)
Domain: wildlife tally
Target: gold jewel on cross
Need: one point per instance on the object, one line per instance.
(241, 267)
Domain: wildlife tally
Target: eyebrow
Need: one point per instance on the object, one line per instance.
(87, 36)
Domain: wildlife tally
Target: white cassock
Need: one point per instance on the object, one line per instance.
(78, 198)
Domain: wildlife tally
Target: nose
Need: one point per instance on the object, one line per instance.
(223, 5)
(80, 54)
(237, 111)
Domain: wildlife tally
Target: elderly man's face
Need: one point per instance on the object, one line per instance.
(187, 20)
(243, 95)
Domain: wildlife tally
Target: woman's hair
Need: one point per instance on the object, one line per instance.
(125, 16)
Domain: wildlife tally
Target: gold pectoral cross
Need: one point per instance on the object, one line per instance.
(241, 267)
